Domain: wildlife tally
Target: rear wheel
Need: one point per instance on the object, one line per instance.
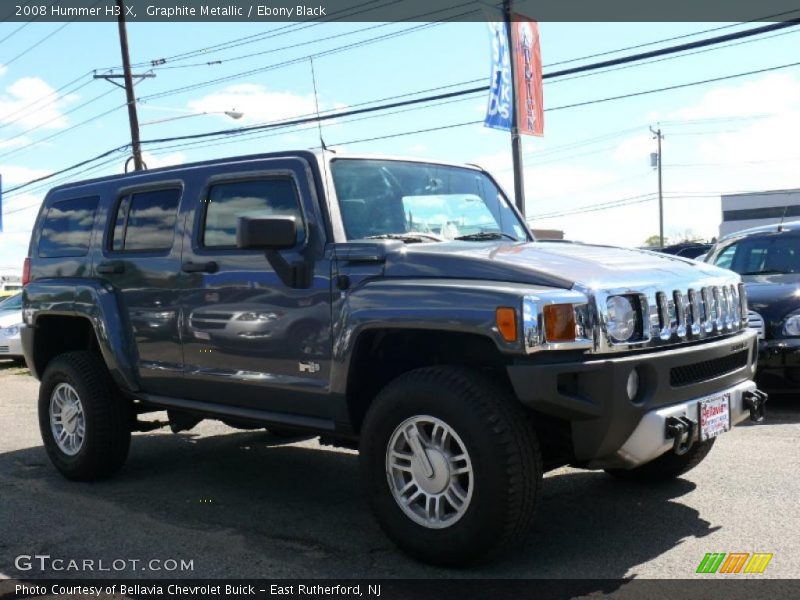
(666, 467)
(451, 464)
(84, 422)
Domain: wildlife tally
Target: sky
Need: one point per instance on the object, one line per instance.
(726, 136)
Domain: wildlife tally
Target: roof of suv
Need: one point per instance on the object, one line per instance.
(311, 154)
(771, 228)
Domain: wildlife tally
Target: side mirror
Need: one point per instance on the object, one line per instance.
(266, 232)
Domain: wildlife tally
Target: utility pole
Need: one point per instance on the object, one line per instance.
(516, 142)
(658, 136)
(133, 118)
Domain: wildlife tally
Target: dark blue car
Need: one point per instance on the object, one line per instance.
(768, 259)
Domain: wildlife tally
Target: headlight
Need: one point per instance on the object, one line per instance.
(791, 325)
(622, 316)
(12, 331)
(257, 316)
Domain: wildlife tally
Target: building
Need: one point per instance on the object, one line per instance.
(743, 211)
(548, 234)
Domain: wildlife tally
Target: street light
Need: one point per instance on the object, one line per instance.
(233, 114)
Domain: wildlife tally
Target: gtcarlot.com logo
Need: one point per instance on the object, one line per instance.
(734, 562)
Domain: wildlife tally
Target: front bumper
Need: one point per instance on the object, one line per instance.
(590, 393)
(779, 364)
(11, 347)
(650, 438)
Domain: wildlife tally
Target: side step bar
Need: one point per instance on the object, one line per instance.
(217, 411)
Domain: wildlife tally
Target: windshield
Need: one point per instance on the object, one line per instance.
(12, 303)
(380, 198)
(772, 254)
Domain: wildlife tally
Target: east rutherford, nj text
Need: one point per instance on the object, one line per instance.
(323, 590)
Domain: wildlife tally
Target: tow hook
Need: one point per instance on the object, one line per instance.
(756, 401)
(679, 428)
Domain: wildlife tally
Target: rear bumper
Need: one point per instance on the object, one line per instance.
(592, 394)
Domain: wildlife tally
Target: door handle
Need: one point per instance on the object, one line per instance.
(200, 267)
(110, 267)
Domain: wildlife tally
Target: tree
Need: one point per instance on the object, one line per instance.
(653, 241)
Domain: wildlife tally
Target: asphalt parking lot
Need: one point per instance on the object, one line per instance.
(249, 505)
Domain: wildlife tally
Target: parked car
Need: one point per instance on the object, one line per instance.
(768, 259)
(396, 306)
(11, 326)
(686, 249)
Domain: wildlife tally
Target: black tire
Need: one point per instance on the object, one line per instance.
(107, 417)
(666, 467)
(506, 463)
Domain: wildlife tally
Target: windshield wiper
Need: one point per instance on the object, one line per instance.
(410, 237)
(485, 235)
(766, 272)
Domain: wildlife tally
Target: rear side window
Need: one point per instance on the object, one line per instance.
(67, 228)
(228, 201)
(145, 221)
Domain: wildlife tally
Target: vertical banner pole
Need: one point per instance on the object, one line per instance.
(516, 141)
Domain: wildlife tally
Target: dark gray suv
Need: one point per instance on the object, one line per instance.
(395, 306)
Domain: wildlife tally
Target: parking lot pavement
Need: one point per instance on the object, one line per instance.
(247, 504)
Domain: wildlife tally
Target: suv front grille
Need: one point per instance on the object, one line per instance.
(707, 369)
(756, 322)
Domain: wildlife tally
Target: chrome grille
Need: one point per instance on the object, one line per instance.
(671, 316)
(756, 322)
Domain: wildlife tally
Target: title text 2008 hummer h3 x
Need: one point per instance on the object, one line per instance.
(399, 306)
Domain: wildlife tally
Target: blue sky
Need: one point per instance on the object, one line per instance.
(726, 136)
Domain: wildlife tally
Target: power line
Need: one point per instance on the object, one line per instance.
(678, 86)
(17, 30)
(308, 42)
(257, 37)
(671, 39)
(55, 118)
(61, 132)
(458, 93)
(302, 59)
(676, 56)
(38, 43)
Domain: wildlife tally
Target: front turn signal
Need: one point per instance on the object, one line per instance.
(507, 323)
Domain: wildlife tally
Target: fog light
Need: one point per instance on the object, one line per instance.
(632, 386)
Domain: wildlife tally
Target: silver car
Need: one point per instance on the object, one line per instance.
(10, 326)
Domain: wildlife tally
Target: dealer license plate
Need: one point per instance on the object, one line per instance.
(714, 416)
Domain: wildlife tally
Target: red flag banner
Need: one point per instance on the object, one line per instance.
(528, 75)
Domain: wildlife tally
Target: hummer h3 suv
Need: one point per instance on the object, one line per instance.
(395, 306)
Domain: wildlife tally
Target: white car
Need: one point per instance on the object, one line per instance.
(10, 326)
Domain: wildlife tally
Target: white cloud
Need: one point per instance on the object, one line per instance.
(14, 142)
(774, 93)
(636, 149)
(13, 174)
(258, 103)
(15, 104)
(164, 160)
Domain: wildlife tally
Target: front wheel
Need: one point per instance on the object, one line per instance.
(451, 464)
(666, 467)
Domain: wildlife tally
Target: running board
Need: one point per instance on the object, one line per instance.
(217, 411)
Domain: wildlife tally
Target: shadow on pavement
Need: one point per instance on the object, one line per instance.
(242, 505)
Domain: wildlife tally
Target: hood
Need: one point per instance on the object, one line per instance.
(551, 264)
(773, 296)
(10, 317)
